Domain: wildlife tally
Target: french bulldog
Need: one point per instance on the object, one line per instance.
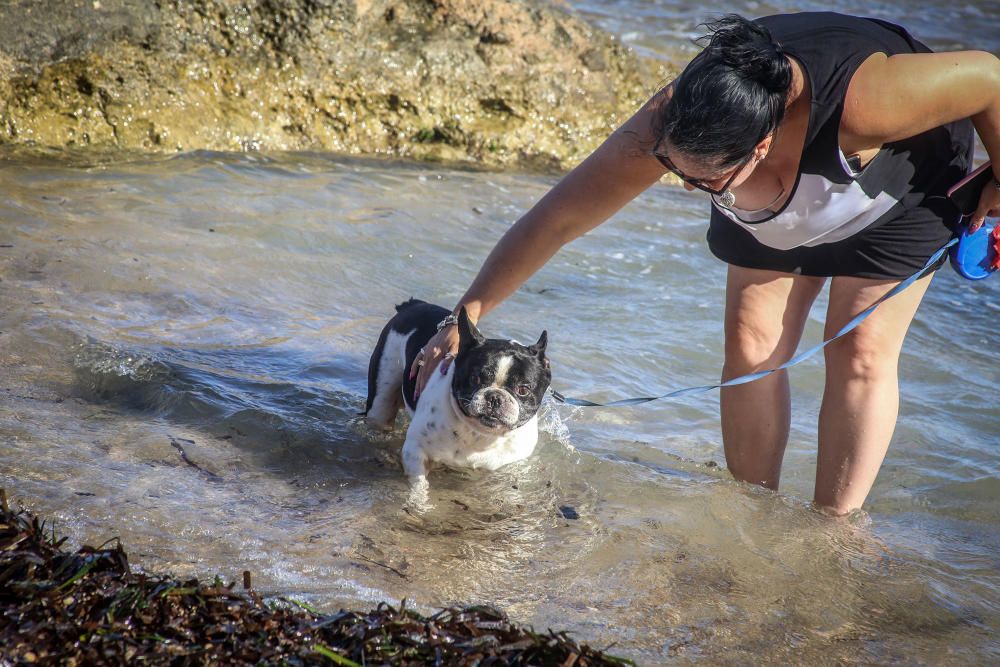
(481, 413)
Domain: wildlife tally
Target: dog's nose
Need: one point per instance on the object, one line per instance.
(494, 401)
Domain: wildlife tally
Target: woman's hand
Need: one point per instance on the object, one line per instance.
(440, 350)
(989, 205)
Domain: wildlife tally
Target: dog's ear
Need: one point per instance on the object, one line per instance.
(538, 349)
(468, 334)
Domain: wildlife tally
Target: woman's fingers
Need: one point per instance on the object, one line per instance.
(418, 362)
(442, 347)
(446, 362)
(431, 359)
(989, 205)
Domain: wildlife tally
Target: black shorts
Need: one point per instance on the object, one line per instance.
(889, 249)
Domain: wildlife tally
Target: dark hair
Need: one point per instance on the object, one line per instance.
(729, 97)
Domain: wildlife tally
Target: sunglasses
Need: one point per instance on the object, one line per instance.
(700, 182)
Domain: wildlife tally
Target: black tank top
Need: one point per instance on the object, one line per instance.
(831, 201)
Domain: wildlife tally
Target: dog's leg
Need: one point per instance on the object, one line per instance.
(385, 379)
(415, 467)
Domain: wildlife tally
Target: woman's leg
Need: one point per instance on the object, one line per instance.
(861, 399)
(765, 314)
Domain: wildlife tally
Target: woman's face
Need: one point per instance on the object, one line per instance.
(695, 173)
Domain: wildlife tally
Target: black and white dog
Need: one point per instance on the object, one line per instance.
(483, 413)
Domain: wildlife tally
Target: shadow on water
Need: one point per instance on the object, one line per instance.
(272, 406)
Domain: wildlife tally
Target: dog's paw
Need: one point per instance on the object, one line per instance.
(419, 500)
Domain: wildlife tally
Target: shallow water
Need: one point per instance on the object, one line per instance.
(183, 350)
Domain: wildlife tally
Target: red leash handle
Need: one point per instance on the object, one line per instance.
(995, 237)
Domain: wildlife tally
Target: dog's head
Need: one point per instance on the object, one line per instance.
(498, 383)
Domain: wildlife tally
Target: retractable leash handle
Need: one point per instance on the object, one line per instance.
(797, 359)
(976, 256)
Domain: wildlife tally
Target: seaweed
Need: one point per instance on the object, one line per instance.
(88, 607)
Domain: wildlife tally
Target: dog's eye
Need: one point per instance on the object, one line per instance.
(522, 390)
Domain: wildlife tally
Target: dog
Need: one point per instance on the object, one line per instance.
(481, 413)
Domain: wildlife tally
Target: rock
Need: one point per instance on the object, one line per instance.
(496, 82)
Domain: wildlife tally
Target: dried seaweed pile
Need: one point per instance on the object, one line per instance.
(88, 607)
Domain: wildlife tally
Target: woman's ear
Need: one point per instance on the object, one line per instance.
(763, 147)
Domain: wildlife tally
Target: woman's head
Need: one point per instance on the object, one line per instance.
(728, 99)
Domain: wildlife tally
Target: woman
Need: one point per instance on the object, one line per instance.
(826, 143)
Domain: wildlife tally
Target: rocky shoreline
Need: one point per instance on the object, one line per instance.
(522, 83)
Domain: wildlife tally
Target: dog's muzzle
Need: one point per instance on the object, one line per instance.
(495, 407)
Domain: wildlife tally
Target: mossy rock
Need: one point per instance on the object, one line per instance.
(519, 82)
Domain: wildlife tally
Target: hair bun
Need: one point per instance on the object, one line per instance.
(748, 48)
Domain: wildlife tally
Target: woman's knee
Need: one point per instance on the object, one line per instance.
(871, 351)
(862, 355)
(765, 314)
(751, 346)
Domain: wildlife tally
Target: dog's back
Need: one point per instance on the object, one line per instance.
(402, 337)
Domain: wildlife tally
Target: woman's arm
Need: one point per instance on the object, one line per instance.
(618, 171)
(895, 97)
(609, 178)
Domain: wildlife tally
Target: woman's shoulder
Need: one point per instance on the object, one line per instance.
(935, 87)
(837, 29)
(832, 46)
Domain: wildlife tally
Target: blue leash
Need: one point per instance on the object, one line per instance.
(799, 358)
